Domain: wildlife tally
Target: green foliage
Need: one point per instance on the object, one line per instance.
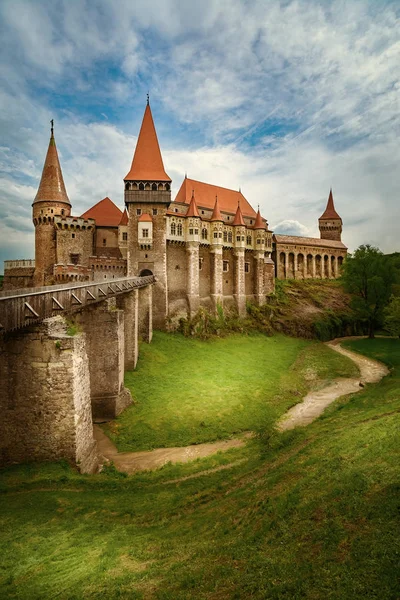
(72, 328)
(311, 513)
(392, 316)
(189, 391)
(369, 276)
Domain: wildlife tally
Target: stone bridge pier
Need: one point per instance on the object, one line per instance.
(60, 375)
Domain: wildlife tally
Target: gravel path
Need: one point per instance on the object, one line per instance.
(312, 406)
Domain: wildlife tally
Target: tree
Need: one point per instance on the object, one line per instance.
(369, 276)
(392, 316)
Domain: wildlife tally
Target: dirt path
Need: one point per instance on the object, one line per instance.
(313, 405)
(302, 414)
(130, 462)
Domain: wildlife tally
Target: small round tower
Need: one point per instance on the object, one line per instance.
(330, 223)
(51, 200)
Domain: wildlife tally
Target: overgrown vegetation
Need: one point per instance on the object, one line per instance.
(311, 514)
(189, 391)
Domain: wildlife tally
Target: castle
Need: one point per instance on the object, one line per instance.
(208, 246)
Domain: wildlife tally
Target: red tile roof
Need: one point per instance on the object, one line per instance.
(192, 210)
(216, 216)
(238, 220)
(105, 213)
(52, 185)
(147, 163)
(124, 218)
(205, 197)
(260, 223)
(330, 212)
(145, 218)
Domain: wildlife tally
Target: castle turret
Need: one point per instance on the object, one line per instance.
(239, 251)
(148, 191)
(259, 257)
(192, 253)
(330, 223)
(216, 254)
(51, 200)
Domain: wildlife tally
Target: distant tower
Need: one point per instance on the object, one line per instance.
(148, 192)
(330, 223)
(51, 200)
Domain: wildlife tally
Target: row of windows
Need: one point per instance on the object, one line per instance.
(154, 187)
(225, 266)
(176, 229)
(139, 212)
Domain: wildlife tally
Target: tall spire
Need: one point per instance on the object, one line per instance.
(330, 212)
(147, 163)
(238, 220)
(216, 216)
(259, 223)
(52, 187)
(192, 210)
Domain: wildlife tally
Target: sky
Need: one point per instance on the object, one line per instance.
(283, 99)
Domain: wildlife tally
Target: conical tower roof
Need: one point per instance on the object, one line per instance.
(238, 220)
(52, 187)
(330, 212)
(147, 163)
(192, 210)
(216, 216)
(259, 223)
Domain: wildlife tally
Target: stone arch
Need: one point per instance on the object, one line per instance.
(318, 265)
(326, 265)
(300, 266)
(290, 273)
(340, 262)
(309, 270)
(333, 266)
(282, 263)
(145, 273)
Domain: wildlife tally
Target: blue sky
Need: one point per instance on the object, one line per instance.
(283, 99)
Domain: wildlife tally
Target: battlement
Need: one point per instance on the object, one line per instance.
(74, 223)
(19, 264)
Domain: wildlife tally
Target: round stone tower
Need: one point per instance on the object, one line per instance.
(51, 200)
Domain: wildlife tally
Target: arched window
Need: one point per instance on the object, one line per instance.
(141, 186)
(167, 187)
(230, 237)
(249, 240)
(204, 234)
(179, 229)
(225, 236)
(173, 229)
(154, 187)
(127, 185)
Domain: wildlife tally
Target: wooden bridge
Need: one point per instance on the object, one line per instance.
(29, 306)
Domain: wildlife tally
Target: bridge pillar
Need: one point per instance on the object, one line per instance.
(45, 397)
(103, 324)
(146, 313)
(129, 303)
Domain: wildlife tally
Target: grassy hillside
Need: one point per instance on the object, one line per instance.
(189, 391)
(307, 514)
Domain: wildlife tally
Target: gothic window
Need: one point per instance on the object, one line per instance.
(196, 232)
(145, 233)
(225, 266)
(141, 187)
(225, 236)
(127, 186)
(167, 187)
(249, 240)
(247, 267)
(173, 229)
(154, 187)
(125, 236)
(204, 234)
(179, 229)
(238, 238)
(138, 212)
(230, 236)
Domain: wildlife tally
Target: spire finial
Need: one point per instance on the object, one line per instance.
(148, 99)
(240, 189)
(52, 127)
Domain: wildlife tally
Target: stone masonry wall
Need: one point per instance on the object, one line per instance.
(45, 397)
(76, 242)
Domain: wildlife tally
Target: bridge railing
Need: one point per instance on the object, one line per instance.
(20, 308)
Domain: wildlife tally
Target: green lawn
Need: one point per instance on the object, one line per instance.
(189, 391)
(310, 514)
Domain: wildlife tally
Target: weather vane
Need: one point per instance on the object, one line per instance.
(52, 126)
(148, 98)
